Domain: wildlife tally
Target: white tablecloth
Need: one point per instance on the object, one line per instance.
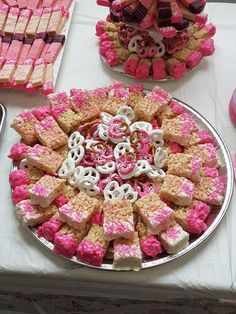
(208, 272)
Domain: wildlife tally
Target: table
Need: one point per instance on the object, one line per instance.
(210, 271)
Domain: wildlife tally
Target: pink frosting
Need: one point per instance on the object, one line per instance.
(61, 200)
(211, 172)
(136, 88)
(40, 190)
(151, 246)
(65, 244)
(20, 193)
(99, 28)
(207, 47)
(49, 229)
(193, 59)
(91, 253)
(59, 109)
(105, 46)
(19, 177)
(211, 29)
(178, 70)
(18, 151)
(168, 32)
(174, 147)
(117, 85)
(159, 69)
(112, 58)
(177, 107)
(196, 217)
(97, 219)
(142, 71)
(41, 112)
(173, 232)
(104, 37)
(46, 124)
(79, 96)
(196, 164)
(130, 66)
(205, 137)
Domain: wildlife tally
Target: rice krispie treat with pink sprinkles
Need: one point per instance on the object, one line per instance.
(117, 97)
(58, 98)
(44, 158)
(174, 239)
(155, 213)
(127, 253)
(136, 95)
(185, 165)
(92, 248)
(178, 190)
(46, 190)
(24, 176)
(192, 218)
(31, 215)
(50, 134)
(200, 137)
(24, 124)
(78, 210)
(65, 117)
(206, 152)
(210, 190)
(118, 219)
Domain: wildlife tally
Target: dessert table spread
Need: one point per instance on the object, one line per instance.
(209, 272)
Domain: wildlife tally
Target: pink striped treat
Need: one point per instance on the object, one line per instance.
(174, 239)
(210, 190)
(78, 210)
(155, 213)
(118, 219)
(44, 158)
(127, 253)
(185, 165)
(178, 190)
(92, 248)
(44, 191)
(24, 124)
(31, 215)
(50, 134)
(206, 152)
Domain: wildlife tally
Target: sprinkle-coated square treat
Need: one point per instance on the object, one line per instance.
(149, 244)
(63, 151)
(49, 228)
(200, 137)
(206, 152)
(78, 210)
(98, 96)
(65, 117)
(24, 124)
(86, 110)
(192, 218)
(211, 172)
(210, 190)
(151, 106)
(31, 215)
(127, 253)
(58, 98)
(178, 129)
(50, 134)
(135, 95)
(174, 239)
(185, 165)
(67, 239)
(92, 248)
(46, 190)
(118, 219)
(117, 97)
(171, 111)
(178, 190)
(155, 213)
(44, 158)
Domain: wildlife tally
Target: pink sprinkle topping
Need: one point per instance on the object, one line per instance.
(97, 219)
(205, 137)
(161, 215)
(80, 97)
(116, 227)
(125, 251)
(26, 209)
(18, 151)
(41, 112)
(65, 244)
(19, 177)
(210, 172)
(26, 115)
(46, 124)
(188, 188)
(91, 253)
(136, 88)
(196, 164)
(119, 93)
(196, 217)
(177, 107)
(98, 92)
(49, 229)
(151, 246)
(185, 129)
(210, 151)
(173, 233)
(66, 210)
(40, 190)
(20, 193)
(60, 97)
(37, 150)
(59, 109)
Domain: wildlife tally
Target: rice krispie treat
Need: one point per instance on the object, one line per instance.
(149, 244)
(174, 239)
(98, 96)
(178, 190)
(20, 193)
(63, 151)
(191, 58)
(127, 253)
(65, 117)
(41, 112)
(24, 176)
(44, 158)
(46, 190)
(171, 111)
(149, 107)
(18, 151)
(92, 248)
(185, 165)
(85, 110)
(206, 152)
(211, 172)
(118, 219)
(58, 98)
(155, 213)
(50, 134)
(178, 129)
(200, 137)
(136, 95)
(192, 218)
(49, 228)
(67, 239)
(24, 124)
(117, 97)
(78, 210)
(210, 190)
(31, 215)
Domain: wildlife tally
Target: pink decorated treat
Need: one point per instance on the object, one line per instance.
(19, 177)
(20, 193)
(130, 65)
(143, 69)
(176, 68)
(18, 151)
(207, 47)
(61, 200)
(49, 228)
(210, 172)
(174, 239)
(206, 152)
(41, 112)
(158, 69)
(210, 190)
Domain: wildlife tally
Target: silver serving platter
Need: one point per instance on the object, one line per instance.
(119, 69)
(3, 114)
(215, 217)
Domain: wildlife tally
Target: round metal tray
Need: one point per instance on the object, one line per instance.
(214, 219)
